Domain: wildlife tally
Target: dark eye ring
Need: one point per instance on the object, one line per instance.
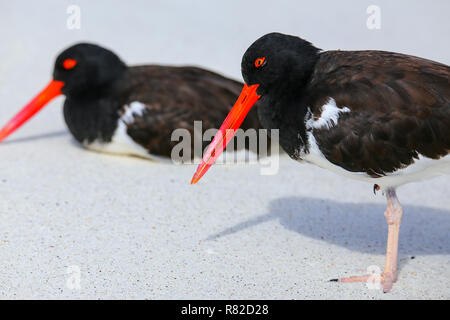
(260, 62)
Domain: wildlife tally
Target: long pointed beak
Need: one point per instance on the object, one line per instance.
(52, 90)
(232, 122)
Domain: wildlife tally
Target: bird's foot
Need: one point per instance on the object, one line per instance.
(387, 280)
(373, 281)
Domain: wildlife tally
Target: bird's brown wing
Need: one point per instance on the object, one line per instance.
(399, 108)
(175, 97)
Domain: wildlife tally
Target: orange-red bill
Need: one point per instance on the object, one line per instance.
(232, 122)
(52, 90)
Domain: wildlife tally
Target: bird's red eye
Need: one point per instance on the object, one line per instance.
(69, 64)
(260, 62)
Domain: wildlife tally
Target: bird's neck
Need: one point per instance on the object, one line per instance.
(287, 114)
(92, 117)
(285, 107)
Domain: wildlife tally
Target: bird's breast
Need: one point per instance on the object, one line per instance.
(121, 143)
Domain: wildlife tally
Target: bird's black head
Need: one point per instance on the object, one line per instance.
(81, 70)
(86, 67)
(276, 60)
(274, 65)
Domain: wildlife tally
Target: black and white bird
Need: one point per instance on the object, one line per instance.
(375, 116)
(113, 108)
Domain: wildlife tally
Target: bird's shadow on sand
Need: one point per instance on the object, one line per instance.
(47, 135)
(359, 227)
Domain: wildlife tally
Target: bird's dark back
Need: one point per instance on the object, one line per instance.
(178, 96)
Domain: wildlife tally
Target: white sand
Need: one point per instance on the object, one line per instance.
(137, 229)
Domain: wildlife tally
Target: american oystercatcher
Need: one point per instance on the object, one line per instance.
(376, 116)
(113, 108)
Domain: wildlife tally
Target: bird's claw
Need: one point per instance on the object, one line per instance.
(375, 188)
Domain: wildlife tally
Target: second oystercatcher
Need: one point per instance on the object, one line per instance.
(113, 108)
(376, 116)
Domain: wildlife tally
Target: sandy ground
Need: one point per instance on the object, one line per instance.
(137, 229)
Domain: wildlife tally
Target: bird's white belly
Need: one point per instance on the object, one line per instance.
(422, 168)
(121, 143)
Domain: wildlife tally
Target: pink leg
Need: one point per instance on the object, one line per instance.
(393, 216)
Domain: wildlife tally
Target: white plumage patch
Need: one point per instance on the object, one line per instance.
(329, 116)
(134, 109)
(121, 143)
(422, 168)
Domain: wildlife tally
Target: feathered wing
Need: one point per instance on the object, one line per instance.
(399, 109)
(175, 97)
